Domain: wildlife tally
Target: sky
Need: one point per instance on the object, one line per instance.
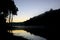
(30, 8)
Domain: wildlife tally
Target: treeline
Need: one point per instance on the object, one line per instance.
(50, 17)
(16, 23)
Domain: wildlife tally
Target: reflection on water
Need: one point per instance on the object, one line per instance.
(27, 35)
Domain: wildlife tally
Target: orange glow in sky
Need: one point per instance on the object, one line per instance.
(20, 19)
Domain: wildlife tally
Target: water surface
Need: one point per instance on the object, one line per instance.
(27, 35)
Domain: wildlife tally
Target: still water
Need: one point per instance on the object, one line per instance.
(27, 35)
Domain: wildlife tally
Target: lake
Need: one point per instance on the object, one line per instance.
(27, 35)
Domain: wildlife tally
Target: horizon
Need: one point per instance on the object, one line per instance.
(30, 8)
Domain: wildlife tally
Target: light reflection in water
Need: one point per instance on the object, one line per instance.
(27, 35)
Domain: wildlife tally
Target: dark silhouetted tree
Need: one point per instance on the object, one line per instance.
(7, 7)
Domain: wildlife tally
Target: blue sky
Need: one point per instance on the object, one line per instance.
(31, 8)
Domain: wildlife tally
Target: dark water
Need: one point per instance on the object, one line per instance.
(27, 35)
